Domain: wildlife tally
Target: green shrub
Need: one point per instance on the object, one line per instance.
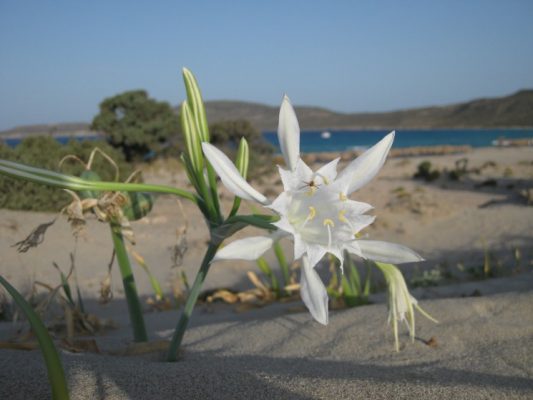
(137, 124)
(46, 152)
(425, 172)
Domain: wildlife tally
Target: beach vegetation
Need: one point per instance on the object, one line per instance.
(54, 367)
(313, 210)
(426, 172)
(460, 170)
(136, 124)
(46, 152)
(350, 290)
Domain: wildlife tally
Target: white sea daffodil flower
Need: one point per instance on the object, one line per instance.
(314, 209)
(401, 303)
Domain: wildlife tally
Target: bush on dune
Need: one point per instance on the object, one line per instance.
(46, 152)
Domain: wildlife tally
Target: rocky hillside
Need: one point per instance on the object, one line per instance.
(515, 110)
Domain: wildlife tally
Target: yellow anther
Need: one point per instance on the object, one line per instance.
(329, 222)
(324, 179)
(311, 191)
(358, 235)
(342, 197)
(312, 213)
(342, 218)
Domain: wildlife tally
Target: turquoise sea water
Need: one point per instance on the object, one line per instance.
(312, 141)
(12, 142)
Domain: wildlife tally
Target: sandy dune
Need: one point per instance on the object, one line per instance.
(483, 344)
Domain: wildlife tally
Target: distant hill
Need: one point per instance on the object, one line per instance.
(511, 111)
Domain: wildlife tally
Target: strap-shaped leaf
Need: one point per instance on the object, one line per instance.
(51, 178)
(56, 375)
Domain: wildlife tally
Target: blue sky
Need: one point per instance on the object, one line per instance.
(59, 59)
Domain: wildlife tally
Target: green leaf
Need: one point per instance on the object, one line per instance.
(51, 178)
(56, 374)
(257, 220)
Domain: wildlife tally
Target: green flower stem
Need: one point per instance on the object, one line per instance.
(191, 301)
(211, 176)
(56, 374)
(130, 290)
(280, 255)
(206, 194)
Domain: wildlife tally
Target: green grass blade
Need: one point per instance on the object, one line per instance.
(355, 280)
(348, 292)
(56, 374)
(156, 286)
(66, 289)
(267, 271)
(368, 279)
(80, 301)
(284, 266)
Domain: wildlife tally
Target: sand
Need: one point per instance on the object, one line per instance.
(484, 344)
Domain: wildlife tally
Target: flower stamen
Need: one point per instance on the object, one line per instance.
(346, 221)
(312, 213)
(310, 216)
(312, 190)
(328, 223)
(342, 197)
(324, 179)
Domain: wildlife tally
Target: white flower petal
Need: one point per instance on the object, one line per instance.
(297, 179)
(387, 252)
(313, 292)
(284, 225)
(356, 207)
(250, 248)
(359, 222)
(289, 134)
(361, 170)
(337, 252)
(281, 203)
(299, 246)
(230, 176)
(315, 253)
(328, 172)
(353, 248)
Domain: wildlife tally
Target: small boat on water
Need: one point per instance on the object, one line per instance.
(325, 135)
